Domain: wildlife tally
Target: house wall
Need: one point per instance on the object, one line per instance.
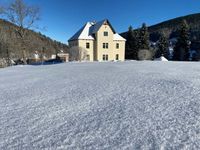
(90, 51)
(82, 44)
(112, 50)
(104, 39)
(120, 51)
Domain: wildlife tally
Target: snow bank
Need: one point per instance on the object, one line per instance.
(124, 105)
(162, 58)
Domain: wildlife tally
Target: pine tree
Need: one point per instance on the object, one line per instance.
(143, 37)
(131, 44)
(163, 46)
(182, 47)
(129, 38)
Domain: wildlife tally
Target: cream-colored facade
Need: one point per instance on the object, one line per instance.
(100, 41)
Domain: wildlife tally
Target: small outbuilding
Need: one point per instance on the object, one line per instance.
(63, 56)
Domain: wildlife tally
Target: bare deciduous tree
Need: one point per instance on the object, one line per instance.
(4, 49)
(24, 16)
(78, 53)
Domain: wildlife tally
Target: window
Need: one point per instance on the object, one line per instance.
(105, 33)
(117, 46)
(87, 45)
(105, 45)
(117, 57)
(105, 57)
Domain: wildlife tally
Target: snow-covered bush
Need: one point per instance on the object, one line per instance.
(145, 54)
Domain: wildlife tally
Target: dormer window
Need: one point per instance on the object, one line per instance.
(105, 23)
(105, 33)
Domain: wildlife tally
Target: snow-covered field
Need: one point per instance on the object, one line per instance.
(105, 106)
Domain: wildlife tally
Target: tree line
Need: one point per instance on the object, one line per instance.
(138, 45)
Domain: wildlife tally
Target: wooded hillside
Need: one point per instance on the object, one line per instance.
(11, 42)
(169, 28)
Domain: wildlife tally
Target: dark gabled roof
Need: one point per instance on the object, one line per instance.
(77, 34)
(98, 25)
(91, 28)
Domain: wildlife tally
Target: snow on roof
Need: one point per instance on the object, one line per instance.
(83, 33)
(162, 58)
(117, 37)
(91, 28)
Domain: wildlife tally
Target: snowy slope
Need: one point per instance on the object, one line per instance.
(104, 106)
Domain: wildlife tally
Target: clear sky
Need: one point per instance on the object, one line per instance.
(62, 18)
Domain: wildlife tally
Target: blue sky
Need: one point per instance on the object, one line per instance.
(62, 18)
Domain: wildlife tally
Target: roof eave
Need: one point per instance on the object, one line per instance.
(79, 39)
(120, 40)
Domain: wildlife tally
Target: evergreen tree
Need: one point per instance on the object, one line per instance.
(131, 44)
(163, 46)
(182, 47)
(143, 37)
(129, 38)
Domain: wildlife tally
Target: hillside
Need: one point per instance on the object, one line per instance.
(34, 41)
(169, 27)
(133, 105)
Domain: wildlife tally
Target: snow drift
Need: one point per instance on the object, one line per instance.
(162, 58)
(88, 106)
